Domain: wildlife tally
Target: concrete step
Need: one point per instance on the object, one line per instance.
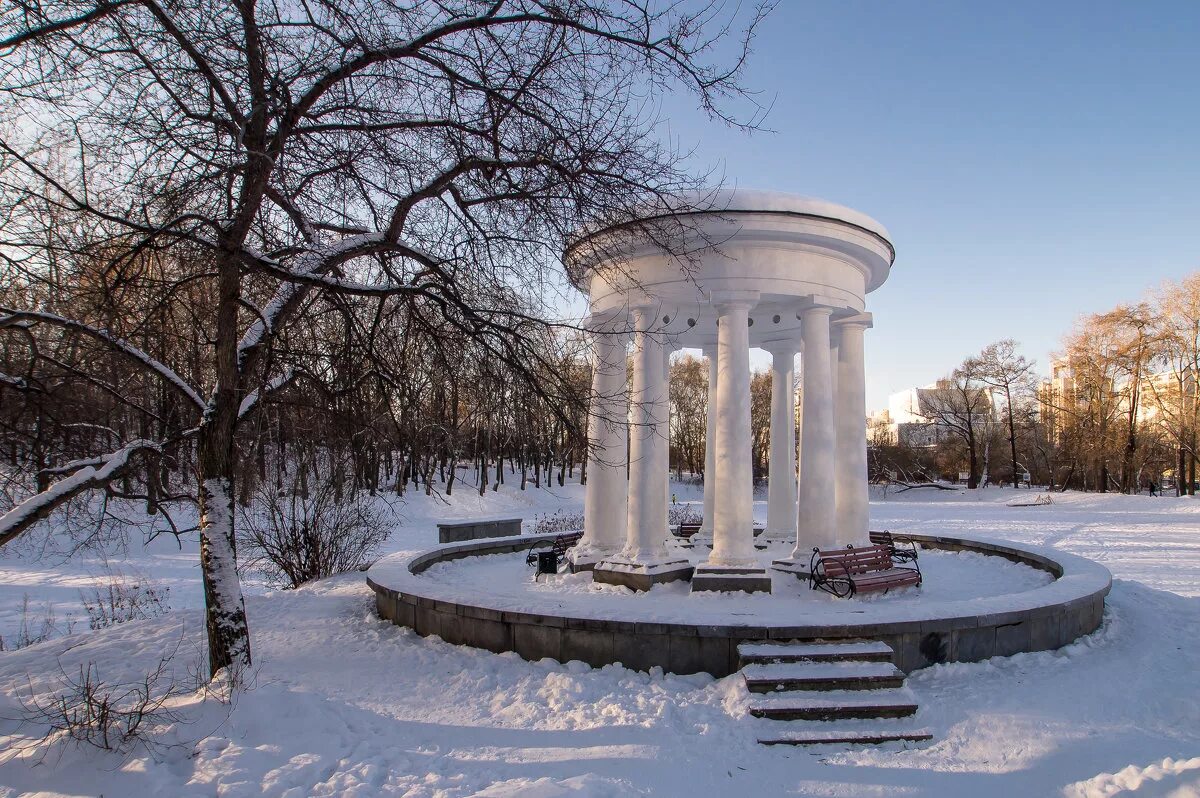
(857, 737)
(841, 651)
(833, 705)
(770, 677)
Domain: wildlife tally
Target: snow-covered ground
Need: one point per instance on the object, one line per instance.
(949, 576)
(343, 704)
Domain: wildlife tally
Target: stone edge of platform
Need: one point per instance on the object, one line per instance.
(1073, 608)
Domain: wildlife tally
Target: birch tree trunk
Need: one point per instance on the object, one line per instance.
(225, 608)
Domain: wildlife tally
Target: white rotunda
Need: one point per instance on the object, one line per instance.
(784, 273)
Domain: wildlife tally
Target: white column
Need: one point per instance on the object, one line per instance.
(781, 487)
(644, 560)
(733, 564)
(852, 498)
(733, 523)
(667, 350)
(815, 521)
(648, 443)
(800, 420)
(710, 452)
(834, 339)
(605, 503)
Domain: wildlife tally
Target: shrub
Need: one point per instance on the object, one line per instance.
(559, 521)
(563, 521)
(683, 514)
(293, 537)
(124, 599)
(34, 630)
(86, 710)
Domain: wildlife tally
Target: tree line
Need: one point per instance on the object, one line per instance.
(689, 417)
(232, 232)
(1119, 410)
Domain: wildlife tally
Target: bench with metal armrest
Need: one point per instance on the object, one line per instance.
(862, 569)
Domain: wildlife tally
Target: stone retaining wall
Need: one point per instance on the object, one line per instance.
(688, 648)
(474, 530)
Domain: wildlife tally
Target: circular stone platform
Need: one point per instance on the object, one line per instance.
(949, 576)
(689, 634)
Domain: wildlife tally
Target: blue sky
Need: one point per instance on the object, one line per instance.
(1033, 161)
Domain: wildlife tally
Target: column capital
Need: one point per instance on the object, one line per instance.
(820, 302)
(643, 314)
(815, 310)
(605, 320)
(864, 321)
(641, 301)
(642, 304)
(733, 299)
(784, 347)
(659, 316)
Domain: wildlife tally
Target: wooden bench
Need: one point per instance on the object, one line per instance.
(865, 569)
(559, 547)
(906, 551)
(689, 530)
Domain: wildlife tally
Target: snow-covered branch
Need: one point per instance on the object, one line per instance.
(251, 400)
(265, 325)
(311, 270)
(313, 266)
(96, 473)
(15, 382)
(13, 316)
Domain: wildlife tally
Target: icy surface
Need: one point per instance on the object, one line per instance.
(343, 704)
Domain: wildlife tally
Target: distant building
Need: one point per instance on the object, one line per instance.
(1062, 393)
(1160, 396)
(1056, 394)
(911, 417)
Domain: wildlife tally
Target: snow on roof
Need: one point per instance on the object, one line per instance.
(746, 199)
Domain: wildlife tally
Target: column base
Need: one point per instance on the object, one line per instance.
(586, 559)
(702, 539)
(772, 536)
(790, 565)
(640, 575)
(750, 579)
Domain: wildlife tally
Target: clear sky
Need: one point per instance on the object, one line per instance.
(1034, 161)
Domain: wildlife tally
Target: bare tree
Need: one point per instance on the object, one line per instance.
(689, 413)
(1109, 355)
(282, 160)
(1131, 327)
(1177, 352)
(1011, 375)
(961, 405)
(760, 423)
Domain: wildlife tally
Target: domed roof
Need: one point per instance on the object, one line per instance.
(733, 239)
(743, 200)
(754, 200)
